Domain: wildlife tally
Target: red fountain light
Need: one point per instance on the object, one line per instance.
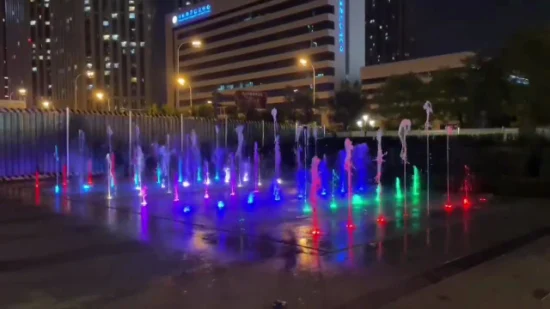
(64, 175)
(466, 202)
(381, 219)
(90, 180)
(448, 207)
(315, 232)
(36, 179)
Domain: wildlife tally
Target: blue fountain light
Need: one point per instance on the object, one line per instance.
(56, 188)
(250, 199)
(186, 184)
(86, 187)
(221, 204)
(186, 209)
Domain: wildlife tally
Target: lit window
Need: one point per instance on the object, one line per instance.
(132, 16)
(105, 23)
(33, 22)
(131, 8)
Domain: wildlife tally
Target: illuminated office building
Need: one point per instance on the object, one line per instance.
(255, 46)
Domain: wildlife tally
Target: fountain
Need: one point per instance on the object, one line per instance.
(257, 180)
(207, 181)
(218, 156)
(196, 155)
(334, 183)
(348, 165)
(56, 157)
(379, 157)
(166, 158)
(404, 129)
(325, 175)
(232, 173)
(239, 154)
(315, 178)
(315, 186)
(428, 108)
(342, 170)
(109, 176)
(82, 157)
(415, 182)
(139, 166)
(111, 159)
(360, 157)
(467, 186)
(398, 193)
(276, 179)
(449, 131)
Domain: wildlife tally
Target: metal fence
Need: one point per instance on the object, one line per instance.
(29, 138)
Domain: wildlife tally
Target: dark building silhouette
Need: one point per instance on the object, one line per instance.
(386, 33)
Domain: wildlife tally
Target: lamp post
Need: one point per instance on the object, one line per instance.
(182, 82)
(304, 62)
(195, 44)
(100, 95)
(89, 74)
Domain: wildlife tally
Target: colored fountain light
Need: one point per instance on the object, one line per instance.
(350, 226)
(381, 219)
(221, 204)
(227, 177)
(186, 184)
(307, 209)
(358, 200)
(315, 232)
(186, 209)
(333, 205)
(416, 182)
(398, 193)
(250, 199)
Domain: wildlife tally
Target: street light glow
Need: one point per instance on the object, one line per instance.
(209, 101)
(90, 74)
(360, 123)
(22, 91)
(100, 95)
(181, 81)
(196, 43)
(372, 123)
(303, 61)
(365, 118)
(46, 104)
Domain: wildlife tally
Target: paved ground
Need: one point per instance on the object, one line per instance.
(515, 280)
(82, 251)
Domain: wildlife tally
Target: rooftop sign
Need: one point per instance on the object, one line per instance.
(191, 15)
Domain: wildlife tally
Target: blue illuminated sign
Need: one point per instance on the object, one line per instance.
(341, 25)
(193, 14)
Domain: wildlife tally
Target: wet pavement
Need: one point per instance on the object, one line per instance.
(80, 248)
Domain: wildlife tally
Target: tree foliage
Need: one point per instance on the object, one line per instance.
(348, 104)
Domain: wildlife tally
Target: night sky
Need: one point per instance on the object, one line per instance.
(444, 26)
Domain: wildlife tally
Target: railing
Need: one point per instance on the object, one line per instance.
(29, 138)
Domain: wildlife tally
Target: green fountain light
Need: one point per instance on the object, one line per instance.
(398, 193)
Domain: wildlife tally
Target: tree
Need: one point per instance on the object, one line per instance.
(526, 66)
(348, 104)
(402, 97)
(204, 110)
(448, 93)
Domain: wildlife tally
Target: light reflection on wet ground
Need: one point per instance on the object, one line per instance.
(235, 252)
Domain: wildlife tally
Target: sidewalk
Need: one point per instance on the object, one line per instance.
(520, 279)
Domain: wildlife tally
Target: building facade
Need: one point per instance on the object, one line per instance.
(25, 34)
(112, 39)
(386, 31)
(255, 46)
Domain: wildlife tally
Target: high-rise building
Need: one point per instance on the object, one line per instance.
(386, 31)
(25, 35)
(160, 10)
(225, 46)
(112, 40)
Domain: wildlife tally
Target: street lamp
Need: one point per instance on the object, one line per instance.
(360, 123)
(22, 93)
(46, 104)
(372, 123)
(89, 74)
(195, 44)
(100, 95)
(182, 82)
(304, 62)
(365, 118)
